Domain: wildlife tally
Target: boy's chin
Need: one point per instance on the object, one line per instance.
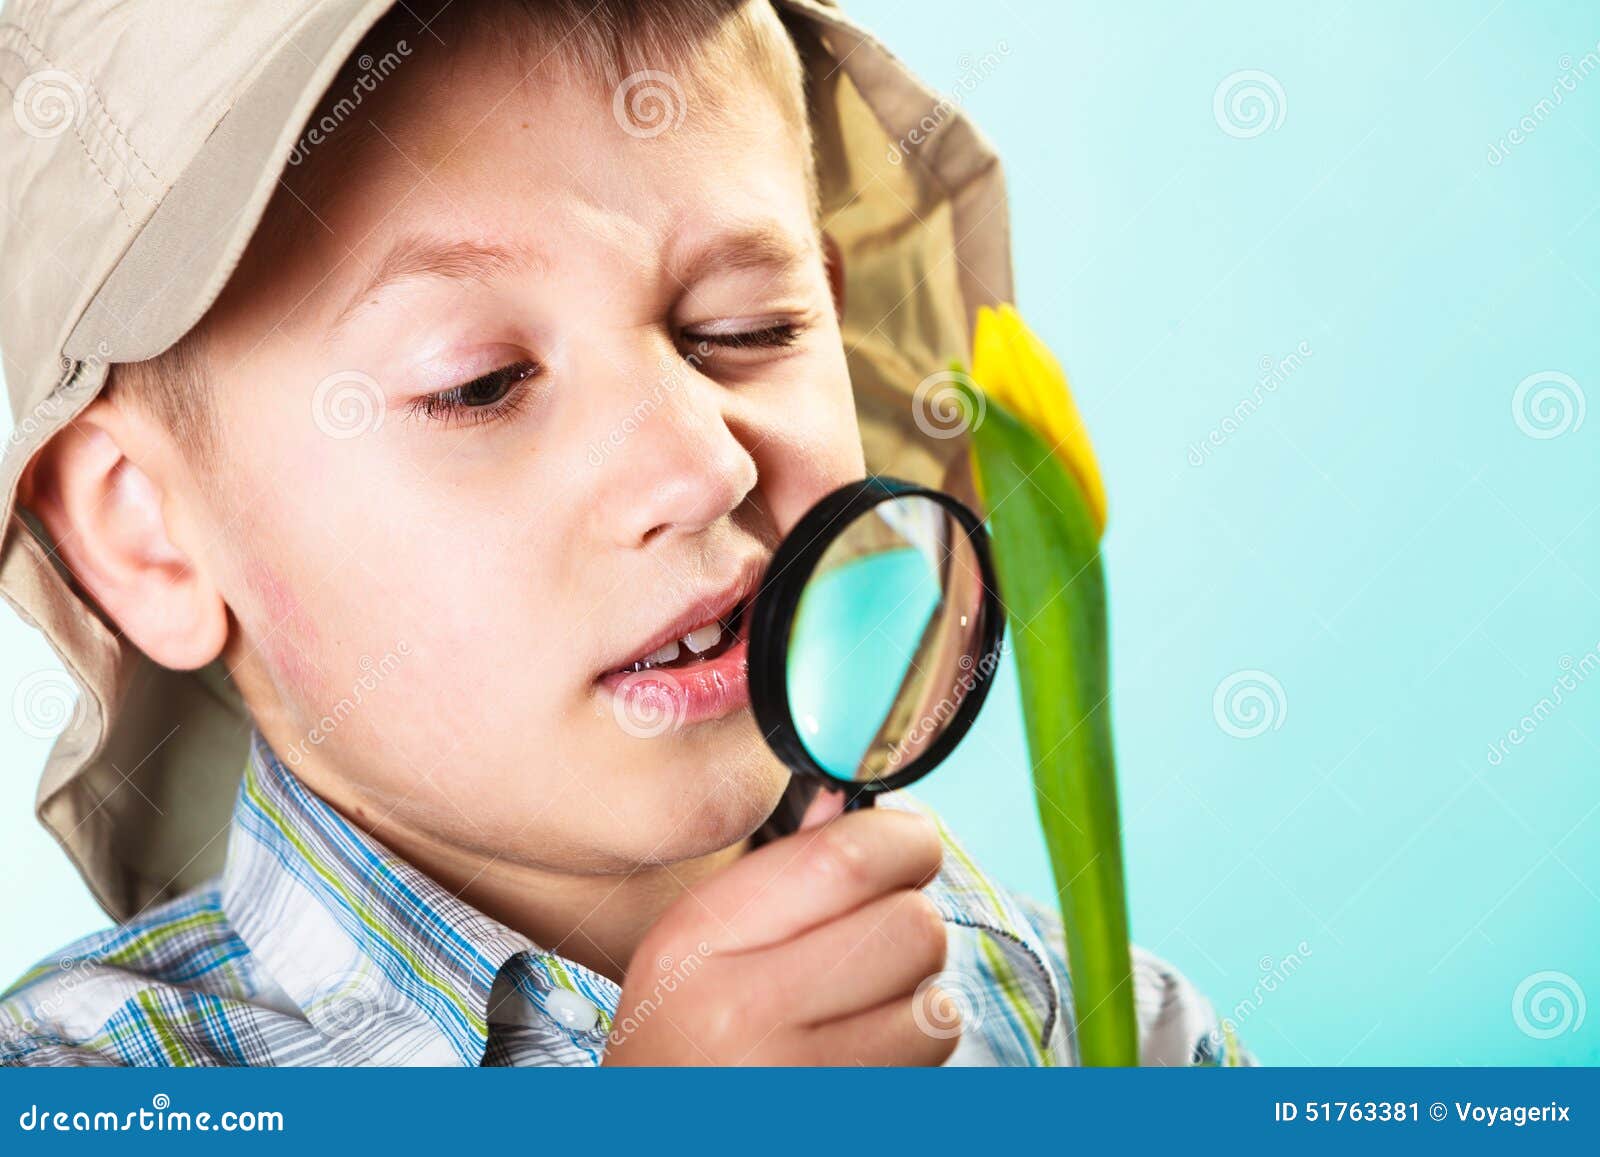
(711, 817)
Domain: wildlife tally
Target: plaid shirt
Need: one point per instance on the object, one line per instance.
(317, 946)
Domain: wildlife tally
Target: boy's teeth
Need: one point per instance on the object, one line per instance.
(702, 639)
(664, 655)
(698, 642)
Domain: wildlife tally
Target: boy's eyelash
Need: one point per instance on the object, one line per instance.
(771, 337)
(450, 406)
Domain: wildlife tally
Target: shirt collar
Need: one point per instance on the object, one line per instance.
(377, 956)
(394, 969)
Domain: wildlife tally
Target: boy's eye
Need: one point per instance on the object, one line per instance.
(767, 337)
(494, 395)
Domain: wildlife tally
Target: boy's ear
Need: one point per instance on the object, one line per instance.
(106, 518)
(834, 259)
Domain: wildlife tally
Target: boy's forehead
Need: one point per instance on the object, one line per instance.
(463, 114)
(462, 172)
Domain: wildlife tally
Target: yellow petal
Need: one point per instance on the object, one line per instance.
(996, 370)
(1014, 367)
(1069, 435)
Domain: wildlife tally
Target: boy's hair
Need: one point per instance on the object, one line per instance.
(648, 59)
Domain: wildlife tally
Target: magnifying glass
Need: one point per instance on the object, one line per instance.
(874, 637)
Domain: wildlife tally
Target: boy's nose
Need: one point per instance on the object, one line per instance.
(676, 465)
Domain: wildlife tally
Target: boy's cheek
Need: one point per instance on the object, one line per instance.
(281, 630)
(801, 463)
(420, 659)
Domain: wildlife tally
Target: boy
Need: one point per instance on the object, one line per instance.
(532, 358)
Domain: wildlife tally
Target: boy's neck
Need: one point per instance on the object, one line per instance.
(596, 919)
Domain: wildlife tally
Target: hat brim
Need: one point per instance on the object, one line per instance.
(183, 256)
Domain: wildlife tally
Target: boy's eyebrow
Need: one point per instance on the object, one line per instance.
(422, 256)
(764, 245)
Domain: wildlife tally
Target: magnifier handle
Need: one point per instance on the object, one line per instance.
(858, 801)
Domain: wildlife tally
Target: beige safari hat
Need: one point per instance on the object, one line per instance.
(140, 141)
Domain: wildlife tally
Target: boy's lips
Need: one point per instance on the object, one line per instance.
(657, 700)
(694, 666)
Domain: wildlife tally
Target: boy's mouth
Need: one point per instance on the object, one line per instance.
(695, 668)
(707, 629)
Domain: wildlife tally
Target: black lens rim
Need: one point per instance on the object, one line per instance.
(778, 598)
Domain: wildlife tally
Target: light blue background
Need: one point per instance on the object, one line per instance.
(1380, 536)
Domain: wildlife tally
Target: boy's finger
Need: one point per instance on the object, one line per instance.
(895, 1033)
(865, 958)
(795, 883)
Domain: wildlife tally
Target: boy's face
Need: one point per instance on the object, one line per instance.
(435, 591)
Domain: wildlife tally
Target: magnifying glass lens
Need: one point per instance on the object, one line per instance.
(887, 639)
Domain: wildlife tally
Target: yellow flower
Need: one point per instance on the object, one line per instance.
(1012, 366)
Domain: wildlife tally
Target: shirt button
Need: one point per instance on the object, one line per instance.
(572, 1010)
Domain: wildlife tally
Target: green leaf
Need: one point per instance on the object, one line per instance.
(1047, 553)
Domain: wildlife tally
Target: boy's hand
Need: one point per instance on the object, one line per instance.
(805, 952)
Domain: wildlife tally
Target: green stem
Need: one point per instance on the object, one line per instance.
(1047, 553)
